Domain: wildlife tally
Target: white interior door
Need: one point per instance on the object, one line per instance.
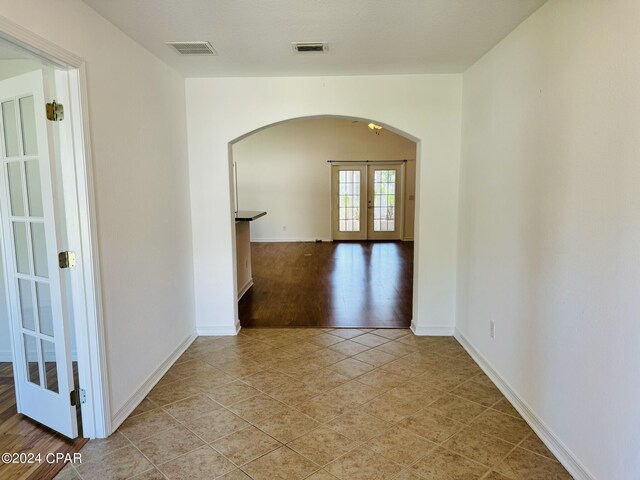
(367, 201)
(30, 240)
(384, 202)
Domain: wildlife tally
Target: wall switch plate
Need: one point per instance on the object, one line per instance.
(492, 329)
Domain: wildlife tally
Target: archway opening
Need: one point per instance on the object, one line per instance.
(335, 248)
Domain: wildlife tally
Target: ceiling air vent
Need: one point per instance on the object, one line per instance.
(310, 47)
(193, 48)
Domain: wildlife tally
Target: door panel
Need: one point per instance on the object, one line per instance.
(349, 195)
(37, 310)
(384, 202)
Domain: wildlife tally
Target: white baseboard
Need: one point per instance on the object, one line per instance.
(130, 405)
(284, 240)
(218, 330)
(555, 445)
(432, 330)
(245, 288)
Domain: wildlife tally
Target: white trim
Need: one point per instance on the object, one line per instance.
(39, 46)
(143, 390)
(432, 330)
(96, 415)
(218, 331)
(555, 445)
(245, 288)
(292, 240)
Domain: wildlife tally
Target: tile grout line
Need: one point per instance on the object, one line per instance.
(272, 366)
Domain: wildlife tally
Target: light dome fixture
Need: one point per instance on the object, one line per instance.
(375, 128)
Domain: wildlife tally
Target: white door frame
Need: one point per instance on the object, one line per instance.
(77, 177)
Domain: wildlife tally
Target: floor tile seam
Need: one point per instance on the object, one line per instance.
(75, 470)
(359, 445)
(502, 459)
(222, 407)
(205, 444)
(283, 446)
(106, 454)
(156, 467)
(441, 445)
(239, 401)
(280, 444)
(465, 398)
(532, 434)
(518, 417)
(334, 460)
(498, 463)
(491, 467)
(497, 436)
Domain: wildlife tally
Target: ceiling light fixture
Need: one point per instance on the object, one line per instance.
(376, 128)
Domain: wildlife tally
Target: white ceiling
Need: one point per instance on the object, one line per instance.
(253, 37)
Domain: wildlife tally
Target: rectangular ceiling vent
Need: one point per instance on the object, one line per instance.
(310, 47)
(193, 48)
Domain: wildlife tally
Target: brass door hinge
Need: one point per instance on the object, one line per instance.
(55, 111)
(78, 396)
(67, 259)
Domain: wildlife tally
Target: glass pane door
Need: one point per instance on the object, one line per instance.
(384, 202)
(349, 193)
(42, 361)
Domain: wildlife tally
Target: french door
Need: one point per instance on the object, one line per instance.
(367, 201)
(30, 243)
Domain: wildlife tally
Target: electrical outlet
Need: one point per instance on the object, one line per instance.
(492, 329)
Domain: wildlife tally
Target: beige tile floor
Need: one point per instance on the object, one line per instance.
(321, 404)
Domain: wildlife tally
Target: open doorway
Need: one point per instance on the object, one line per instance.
(299, 271)
(50, 376)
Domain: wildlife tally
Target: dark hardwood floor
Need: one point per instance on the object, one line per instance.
(21, 434)
(330, 284)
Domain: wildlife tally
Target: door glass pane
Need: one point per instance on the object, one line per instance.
(28, 121)
(10, 127)
(384, 200)
(39, 245)
(31, 358)
(26, 304)
(14, 171)
(349, 201)
(22, 247)
(34, 192)
(45, 315)
(50, 366)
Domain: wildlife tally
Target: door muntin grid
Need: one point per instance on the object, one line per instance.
(384, 200)
(28, 240)
(349, 194)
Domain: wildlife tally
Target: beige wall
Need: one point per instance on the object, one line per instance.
(283, 170)
(550, 225)
(424, 107)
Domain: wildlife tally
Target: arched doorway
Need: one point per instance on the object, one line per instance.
(291, 276)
